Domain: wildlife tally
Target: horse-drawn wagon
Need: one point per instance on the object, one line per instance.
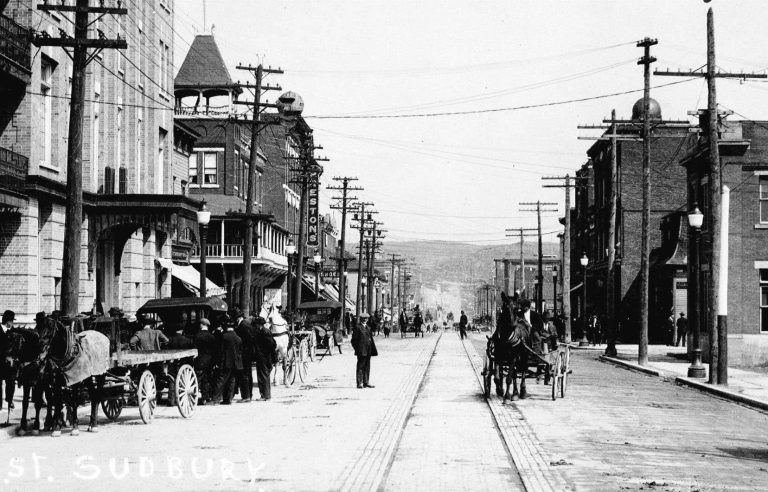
(321, 318)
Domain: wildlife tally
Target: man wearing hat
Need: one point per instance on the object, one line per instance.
(231, 359)
(264, 355)
(6, 372)
(365, 348)
(463, 325)
(682, 329)
(247, 332)
(148, 338)
(205, 343)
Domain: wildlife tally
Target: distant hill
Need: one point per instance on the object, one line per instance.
(445, 262)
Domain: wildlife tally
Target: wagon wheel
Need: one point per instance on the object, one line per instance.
(290, 366)
(112, 408)
(302, 364)
(564, 372)
(147, 396)
(487, 377)
(556, 378)
(186, 391)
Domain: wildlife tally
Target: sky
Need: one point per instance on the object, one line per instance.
(460, 177)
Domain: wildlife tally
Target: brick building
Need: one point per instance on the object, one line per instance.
(135, 210)
(743, 149)
(589, 225)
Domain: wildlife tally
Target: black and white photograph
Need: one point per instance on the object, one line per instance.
(384, 245)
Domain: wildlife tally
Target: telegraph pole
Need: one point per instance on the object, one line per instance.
(718, 329)
(540, 273)
(73, 218)
(521, 233)
(394, 260)
(245, 295)
(568, 183)
(360, 216)
(345, 199)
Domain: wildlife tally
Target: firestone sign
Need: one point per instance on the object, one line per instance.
(313, 216)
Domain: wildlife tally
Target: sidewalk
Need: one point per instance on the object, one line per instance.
(744, 386)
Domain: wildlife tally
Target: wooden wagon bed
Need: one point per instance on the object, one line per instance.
(139, 357)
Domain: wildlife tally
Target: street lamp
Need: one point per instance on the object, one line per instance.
(203, 218)
(290, 250)
(554, 290)
(584, 342)
(695, 221)
(318, 262)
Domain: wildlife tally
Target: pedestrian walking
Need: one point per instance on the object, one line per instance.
(365, 348)
(387, 326)
(682, 329)
(463, 325)
(264, 355)
(207, 348)
(148, 338)
(347, 322)
(6, 371)
(671, 330)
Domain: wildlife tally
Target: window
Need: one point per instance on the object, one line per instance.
(238, 174)
(210, 175)
(160, 176)
(139, 129)
(193, 169)
(96, 140)
(46, 84)
(162, 67)
(109, 180)
(119, 134)
(763, 199)
(764, 300)
(123, 180)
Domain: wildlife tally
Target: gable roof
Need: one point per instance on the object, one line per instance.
(203, 67)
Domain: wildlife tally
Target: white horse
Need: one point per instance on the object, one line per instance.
(279, 328)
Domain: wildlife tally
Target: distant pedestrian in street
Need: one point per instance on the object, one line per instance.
(682, 329)
(463, 325)
(387, 326)
(403, 322)
(231, 357)
(365, 348)
(347, 323)
(206, 346)
(263, 355)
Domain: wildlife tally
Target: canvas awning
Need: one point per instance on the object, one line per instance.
(190, 277)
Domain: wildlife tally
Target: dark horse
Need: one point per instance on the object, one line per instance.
(24, 350)
(509, 339)
(76, 361)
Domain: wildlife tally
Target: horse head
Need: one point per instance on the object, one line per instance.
(23, 346)
(56, 340)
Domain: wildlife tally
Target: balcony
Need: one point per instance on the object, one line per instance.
(13, 171)
(15, 51)
(233, 253)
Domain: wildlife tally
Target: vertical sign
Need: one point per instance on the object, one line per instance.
(313, 218)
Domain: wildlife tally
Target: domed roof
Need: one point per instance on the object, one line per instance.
(653, 105)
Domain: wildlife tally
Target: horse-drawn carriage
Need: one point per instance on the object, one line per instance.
(321, 319)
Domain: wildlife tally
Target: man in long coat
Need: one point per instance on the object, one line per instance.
(264, 354)
(231, 358)
(247, 333)
(365, 348)
(207, 350)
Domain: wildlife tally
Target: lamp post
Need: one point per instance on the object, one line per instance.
(203, 218)
(584, 342)
(318, 264)
(695, 220)
(290, 250)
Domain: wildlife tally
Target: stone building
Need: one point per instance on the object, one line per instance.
(135, 209)
(589, 224)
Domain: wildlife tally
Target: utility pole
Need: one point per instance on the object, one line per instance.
(73, 218)
(540, 272)
(245, 295)
(361, 216)
(521, 233)
(568, 183)
(345, 199)
(394, 260)
(718, 329)
(373, 245)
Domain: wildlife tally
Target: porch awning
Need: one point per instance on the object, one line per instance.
(190, 277)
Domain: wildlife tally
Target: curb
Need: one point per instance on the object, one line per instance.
(722, 392)
(630, 365)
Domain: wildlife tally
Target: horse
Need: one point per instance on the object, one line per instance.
(77, 361)
(23, 351)
(510, 338)
(278, 326)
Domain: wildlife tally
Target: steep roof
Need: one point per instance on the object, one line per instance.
(204, 67)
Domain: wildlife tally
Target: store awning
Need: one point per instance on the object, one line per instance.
(190, 277)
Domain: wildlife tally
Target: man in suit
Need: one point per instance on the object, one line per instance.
(179, 341)
(206, 346)
(247, 333)
(6, 371)
(365, 348)
(263, 354)
(230, 355)
(148, 338)
(463, 325)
